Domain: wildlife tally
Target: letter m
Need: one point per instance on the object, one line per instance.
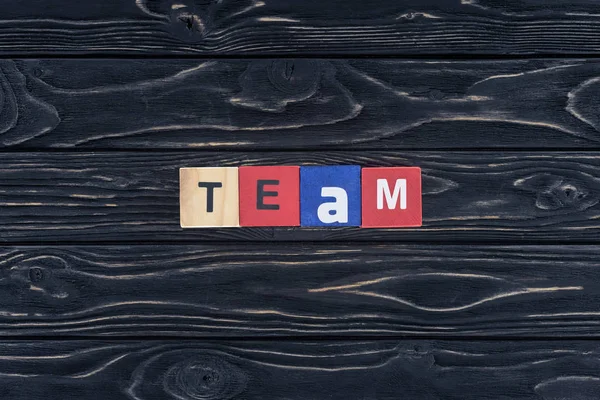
(383, 190)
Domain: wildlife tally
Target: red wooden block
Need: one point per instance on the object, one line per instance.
(269, 196)
(391, 197)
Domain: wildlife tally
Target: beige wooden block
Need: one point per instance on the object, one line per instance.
(208, 197)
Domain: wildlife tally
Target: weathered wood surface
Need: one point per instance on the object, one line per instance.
(191, 370)
(294, 290)
(116, 197)
(212, 27)
(91, 247)
(302, 104)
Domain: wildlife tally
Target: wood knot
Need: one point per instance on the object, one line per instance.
(39, 277)
(188, 376)
(193, 23)
(273, 84)
(16, 100)
(558, 192)
(436, 95)
(192, 20)
(295, 77)
(410, 15)
(206, 377)
(415, 16)
(36, 274)
(8, 104)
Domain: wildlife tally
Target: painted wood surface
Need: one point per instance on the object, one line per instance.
(215, 27)
(126, 197)
(191, 370)
(298, 104)
(324, 291)
(104, 296)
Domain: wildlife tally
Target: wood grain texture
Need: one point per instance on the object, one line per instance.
(211, 205)
(212, 27)
(301, 104)
(116, 197)
(192, 370)
(300, 290)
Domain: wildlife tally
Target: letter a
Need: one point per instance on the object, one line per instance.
(337, 211)
(391, 199)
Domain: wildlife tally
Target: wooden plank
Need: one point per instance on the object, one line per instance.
(310, 27)
(190, 370)
(300, 290)
(116, 197)
(302, 104)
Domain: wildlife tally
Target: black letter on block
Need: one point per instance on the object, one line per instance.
(210, 188)
(261, 194)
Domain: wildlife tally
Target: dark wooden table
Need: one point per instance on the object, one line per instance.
(104, 297)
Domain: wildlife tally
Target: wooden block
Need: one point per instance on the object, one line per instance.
(269, 196)
(208, 197)
(391, 197)
(330, 196)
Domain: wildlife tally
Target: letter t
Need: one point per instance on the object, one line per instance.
(210, 195)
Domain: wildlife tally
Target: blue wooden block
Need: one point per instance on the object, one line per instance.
(330, 196)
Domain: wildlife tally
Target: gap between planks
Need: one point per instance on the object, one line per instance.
(321, 149)
(321, 56)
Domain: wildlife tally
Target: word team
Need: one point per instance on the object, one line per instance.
(311, 196)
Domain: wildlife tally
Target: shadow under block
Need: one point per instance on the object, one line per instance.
(209, 197)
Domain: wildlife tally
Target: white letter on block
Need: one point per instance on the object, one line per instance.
(335, 211)
(391, 199)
